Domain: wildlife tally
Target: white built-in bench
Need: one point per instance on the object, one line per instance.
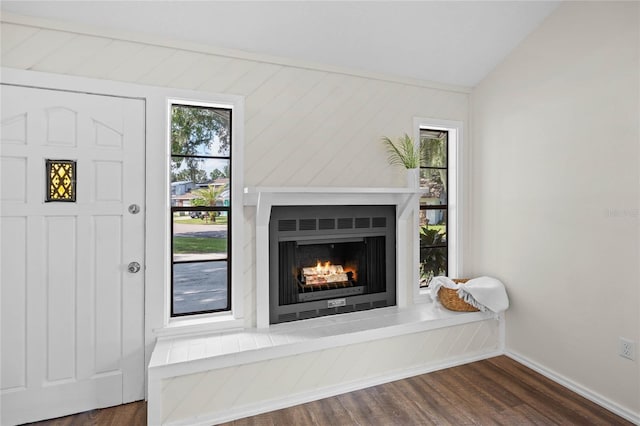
(219, 377)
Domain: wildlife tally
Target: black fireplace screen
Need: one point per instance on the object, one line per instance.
(309, 270)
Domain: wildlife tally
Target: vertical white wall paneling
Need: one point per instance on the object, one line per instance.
(14, 301)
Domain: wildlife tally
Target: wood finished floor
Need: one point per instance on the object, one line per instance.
(497, 391)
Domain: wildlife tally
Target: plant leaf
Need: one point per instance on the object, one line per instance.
(404, 153)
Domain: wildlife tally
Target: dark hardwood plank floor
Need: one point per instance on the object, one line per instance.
(133, 414)
(497, 391)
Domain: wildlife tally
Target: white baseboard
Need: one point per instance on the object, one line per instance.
(580, 390)
(304, 397)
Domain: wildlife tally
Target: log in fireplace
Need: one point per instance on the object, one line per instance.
(326, 260)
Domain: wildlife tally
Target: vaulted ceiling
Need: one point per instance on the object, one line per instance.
(450, 42)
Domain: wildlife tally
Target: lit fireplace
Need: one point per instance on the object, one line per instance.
(327, 260)
(325, 276)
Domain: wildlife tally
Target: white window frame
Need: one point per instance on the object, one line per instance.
(455, 199)
(217, 320)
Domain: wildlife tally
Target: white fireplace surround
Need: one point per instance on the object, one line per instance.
(264, 198)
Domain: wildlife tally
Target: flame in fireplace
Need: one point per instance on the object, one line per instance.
(325, 269)
(325, 272)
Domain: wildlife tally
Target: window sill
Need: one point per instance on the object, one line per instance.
(189, 326)
(423, 295)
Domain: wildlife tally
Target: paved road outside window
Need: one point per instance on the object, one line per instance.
(199, 286)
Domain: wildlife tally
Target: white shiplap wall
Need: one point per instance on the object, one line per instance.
(304, 125)
(323, 126)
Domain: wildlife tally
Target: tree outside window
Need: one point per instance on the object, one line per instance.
(200, 209)
(434, 204)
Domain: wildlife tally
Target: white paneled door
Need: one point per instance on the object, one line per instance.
(72, 312)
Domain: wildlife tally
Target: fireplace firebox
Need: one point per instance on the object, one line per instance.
(326, 260)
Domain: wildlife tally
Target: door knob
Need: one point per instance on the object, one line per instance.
(133, 267)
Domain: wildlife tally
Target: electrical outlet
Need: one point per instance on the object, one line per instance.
(627, 348)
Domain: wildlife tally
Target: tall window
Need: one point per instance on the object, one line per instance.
(434, 205)
(200, 209)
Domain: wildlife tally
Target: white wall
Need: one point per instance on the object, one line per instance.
(304, 126)
(555, 139)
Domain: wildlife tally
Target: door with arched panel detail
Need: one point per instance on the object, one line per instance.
(71, 165)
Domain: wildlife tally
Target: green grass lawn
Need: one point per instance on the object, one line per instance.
(187, 245)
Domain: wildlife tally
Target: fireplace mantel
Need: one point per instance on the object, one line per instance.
(311, 195)
(405, 200)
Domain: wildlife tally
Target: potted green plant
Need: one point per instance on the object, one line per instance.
(406, 153)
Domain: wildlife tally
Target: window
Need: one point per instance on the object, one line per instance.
(434, 205)
(201, 205)
(437, 246)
